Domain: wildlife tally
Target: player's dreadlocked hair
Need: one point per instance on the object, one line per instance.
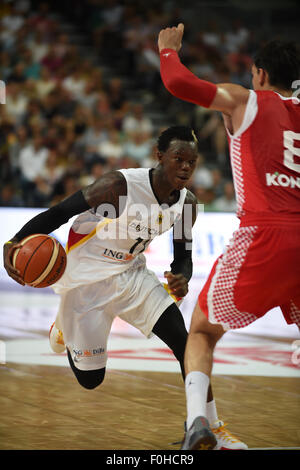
(281, 59)
(175, 133)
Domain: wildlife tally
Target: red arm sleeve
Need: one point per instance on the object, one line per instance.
(182, 83)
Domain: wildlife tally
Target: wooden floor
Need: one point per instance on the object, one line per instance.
(43, 407)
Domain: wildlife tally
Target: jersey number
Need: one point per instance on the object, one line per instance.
(289, 137)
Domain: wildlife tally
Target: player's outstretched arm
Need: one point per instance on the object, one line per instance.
(104, 192)
(183, 84)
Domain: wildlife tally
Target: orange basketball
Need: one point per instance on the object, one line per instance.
(41, 260)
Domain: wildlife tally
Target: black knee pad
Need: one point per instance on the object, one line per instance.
(170, 328)
(89, 379)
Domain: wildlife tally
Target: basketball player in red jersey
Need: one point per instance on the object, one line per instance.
(260, 268)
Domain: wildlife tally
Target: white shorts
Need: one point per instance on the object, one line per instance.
(87, 312)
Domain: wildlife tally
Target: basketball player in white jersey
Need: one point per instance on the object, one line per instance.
(106, 274)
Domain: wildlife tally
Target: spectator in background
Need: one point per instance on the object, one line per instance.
(38, 46)
(148, 68)
(95, 134)
(75, 83)
(62, 45)
(12, 21)
(236, 36)
(52, 134)
(32, 69)
(5, 63)
(66, 103)
(133, 34)
(53, 170)
(52, 60)
(206, 196)
(89, 95)
(18, 140)
(212, 131)
(227, 202)
(17, 75)
(97, 169)
(138, 148)
(33, 113)
(117, 95)
(9, 196)
(32, 163)
(202, 176)
(45, 83)
(80, 120)
(111, 148)
(103, 106)
(63, 151)
(202, 64)
(218, 181)
(137, 122)
(51, 104)
(212, 36)
(7, 39)
(16, 102)
(67, 186)
(42, 22)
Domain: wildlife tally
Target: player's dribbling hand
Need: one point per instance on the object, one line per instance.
(8, 249)
(177, 284)
(170, 38)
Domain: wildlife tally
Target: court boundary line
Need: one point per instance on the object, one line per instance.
(274, 448)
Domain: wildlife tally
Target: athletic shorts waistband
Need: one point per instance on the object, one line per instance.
(271, 219)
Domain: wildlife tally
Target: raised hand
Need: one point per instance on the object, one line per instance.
(170, 38)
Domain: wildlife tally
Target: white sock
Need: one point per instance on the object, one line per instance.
(196, 386)
(211, 413)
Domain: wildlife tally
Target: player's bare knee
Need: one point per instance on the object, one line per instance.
(211, 337)
(201, 325)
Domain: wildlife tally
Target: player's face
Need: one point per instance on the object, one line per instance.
(255, 78)
(179, 162)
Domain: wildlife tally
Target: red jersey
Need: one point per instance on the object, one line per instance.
(265, 157)
(265, 151)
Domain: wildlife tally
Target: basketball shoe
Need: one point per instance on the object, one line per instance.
(199, 436)
(226, 440)
(56, 339)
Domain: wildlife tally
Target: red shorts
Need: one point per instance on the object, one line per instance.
(259, 270)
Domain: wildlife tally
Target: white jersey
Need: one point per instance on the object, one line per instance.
(100, 247)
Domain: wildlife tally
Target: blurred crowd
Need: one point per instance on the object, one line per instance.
(69, 117)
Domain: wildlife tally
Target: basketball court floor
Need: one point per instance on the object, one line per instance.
(141, 403)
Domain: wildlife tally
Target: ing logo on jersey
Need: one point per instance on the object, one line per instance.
(117, 255)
